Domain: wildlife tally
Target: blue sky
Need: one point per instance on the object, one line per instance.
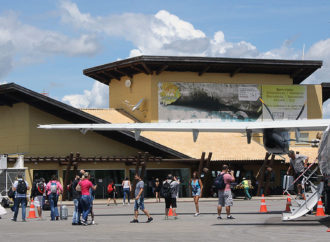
(45, 44)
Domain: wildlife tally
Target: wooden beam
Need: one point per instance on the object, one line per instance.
(206, 68)
(123, 73)
(146, 68)
(237, 70)
(138, 69)
(111, 75)
(100, 77)
(161, 69)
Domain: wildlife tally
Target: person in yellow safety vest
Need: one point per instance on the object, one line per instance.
(246, 187)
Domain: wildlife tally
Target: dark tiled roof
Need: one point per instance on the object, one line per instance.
(298, 70)
(12, 93)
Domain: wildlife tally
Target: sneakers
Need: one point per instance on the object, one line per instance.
(83, 222)
(23, 220)
(149, 220)
(230, 217)
(13, 219)
(134, 221)
(196, 214)
(219, 217)
(93, 222)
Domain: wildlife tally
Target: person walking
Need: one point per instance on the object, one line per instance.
(139, 200)
(20, 186)
(298, 163)
(126, 184)
(157, 190)
(84, 185)
(111, 192)
(225, 196)
(76, 196)
(171, 184)
(37, 194)
(246, 187)
(54, 190)
(197, 190)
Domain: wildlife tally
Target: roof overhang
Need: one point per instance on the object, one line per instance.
(325, 91)
(298, 70)
(12, 93)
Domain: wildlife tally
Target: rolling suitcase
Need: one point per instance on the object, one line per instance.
(63, 212)
(288, 183)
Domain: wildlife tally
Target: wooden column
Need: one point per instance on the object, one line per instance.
(66, 178)
(138, 161)
(201, 163)
(261, 174)
(143, 169)
(208, 180)
(269, 174)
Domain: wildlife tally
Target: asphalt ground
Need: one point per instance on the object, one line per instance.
(113, 224)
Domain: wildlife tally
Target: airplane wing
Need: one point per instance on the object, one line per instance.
(230, 127)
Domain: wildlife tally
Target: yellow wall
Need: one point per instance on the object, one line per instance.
(62, 142)
(19, 134)
(14, 129)
(140, 88)
(146, 86)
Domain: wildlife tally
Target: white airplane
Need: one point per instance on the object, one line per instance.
(276, 136)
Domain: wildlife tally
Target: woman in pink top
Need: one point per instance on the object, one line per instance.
(53, 190)
(84, 186)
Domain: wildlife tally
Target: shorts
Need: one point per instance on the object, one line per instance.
(139, 204)
(170, 202)
(225, 198)
(112, 194)
(38, 201)
(300, 178)
(196, 192)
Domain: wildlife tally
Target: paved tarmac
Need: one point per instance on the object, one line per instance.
(112, 224)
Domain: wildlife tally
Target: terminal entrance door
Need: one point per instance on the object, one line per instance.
(151, 174)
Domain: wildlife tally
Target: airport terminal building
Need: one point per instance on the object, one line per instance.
(163, 89)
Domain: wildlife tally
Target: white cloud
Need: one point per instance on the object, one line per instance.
(167, 34)
(22, 44)
(98, 97)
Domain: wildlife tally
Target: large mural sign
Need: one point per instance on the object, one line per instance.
(285, 101)
(201, 102)
(186, 102)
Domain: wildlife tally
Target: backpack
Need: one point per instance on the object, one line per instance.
(110, 188)
(21, 187)
(166, 191)
(41, 187)
(53, 187)
(11, 193)
(219, 182)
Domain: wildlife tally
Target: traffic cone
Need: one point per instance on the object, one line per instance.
(32, 212)
(288, 204)
(319, 210)
(170, 213)
(263, 207)
(328, 230)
